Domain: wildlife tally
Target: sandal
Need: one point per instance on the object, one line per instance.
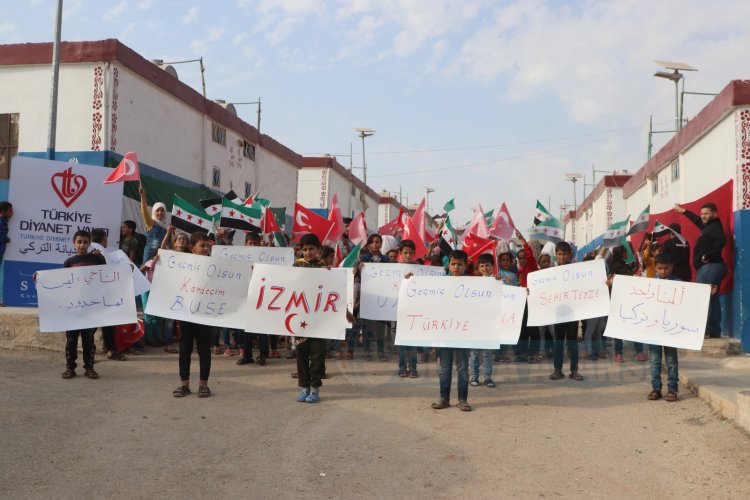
(90, 373)
(439, 405)
(654, 395)
(671, 397)
(181, 391)
(463, 406)
(576, 376)
(69, 373)
(204, 391)
(295, 374)
(556, 375)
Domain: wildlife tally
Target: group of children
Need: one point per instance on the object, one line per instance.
(311, 353)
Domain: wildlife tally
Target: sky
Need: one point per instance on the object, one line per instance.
(483, 101)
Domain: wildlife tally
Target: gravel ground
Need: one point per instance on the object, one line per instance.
(373, 435)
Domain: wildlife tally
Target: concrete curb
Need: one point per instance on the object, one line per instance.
(723, 384)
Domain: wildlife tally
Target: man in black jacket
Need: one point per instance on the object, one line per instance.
(709, 266)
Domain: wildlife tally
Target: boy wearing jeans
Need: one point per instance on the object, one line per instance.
(457, 262)
(663, 265)
(565, 333)
(486, 268)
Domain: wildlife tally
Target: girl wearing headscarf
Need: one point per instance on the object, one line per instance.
(156, 229)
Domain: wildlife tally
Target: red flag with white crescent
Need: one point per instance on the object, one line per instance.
(127, 170)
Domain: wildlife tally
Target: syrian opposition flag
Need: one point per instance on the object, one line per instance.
(234, 216)
(541, 214)
(188, 218)
(641, 222)
(662, 230)
(447, 237)
(352, 256)
(615, 233)
(358, 229)
(395, 224)
(212, 206)
(412, 233)
(306, 221)
(551, 229)
(475, 245)
(503, 227)
(127, 170)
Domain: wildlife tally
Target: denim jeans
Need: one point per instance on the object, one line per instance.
(447, 357)
(592, 338)
(168, 330)
(712, 274)
(487, 358)
(565, 334)
(407, 354)
(670, 358)
(619, 346)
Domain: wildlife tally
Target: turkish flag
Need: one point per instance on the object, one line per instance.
(334, 215)
(306, 221)
(419, 217)
(503, 227)
(396, 224)
(412, 233)
(127, 170)
(474, 246)
(268, 223)
(358, 229)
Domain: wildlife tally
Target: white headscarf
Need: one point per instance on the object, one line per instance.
(160, 223)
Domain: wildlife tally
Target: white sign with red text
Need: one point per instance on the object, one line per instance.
(449, 311)
(296, 301)
(568, 293)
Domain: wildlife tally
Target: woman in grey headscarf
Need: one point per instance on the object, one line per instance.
(156, 228)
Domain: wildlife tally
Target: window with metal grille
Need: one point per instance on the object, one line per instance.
(655, 185)
(675, 170)
(8, 142)
(216, 178)
(218, 134)
(248, 150)
(248, 190)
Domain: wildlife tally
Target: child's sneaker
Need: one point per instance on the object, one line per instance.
(413, 374)
(474, 381)
(641, 356)
(217, 349)
(228, 351)
(402, 373)
(488, 382)
(302, 396)
(619, 358)
(313, 397)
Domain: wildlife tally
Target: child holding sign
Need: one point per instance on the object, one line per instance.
(458, 260)
(81, 242)
(486, 268)
(663, 266)
(565, 333)
(406, 251)
(194, 333)
(311, 352)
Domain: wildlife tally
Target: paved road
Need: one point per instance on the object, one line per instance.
(372, 436)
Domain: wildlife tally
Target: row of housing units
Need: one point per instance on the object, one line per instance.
(112, 100)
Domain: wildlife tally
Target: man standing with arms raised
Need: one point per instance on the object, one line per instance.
(709, 266)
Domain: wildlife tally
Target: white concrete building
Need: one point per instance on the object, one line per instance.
(323, 176)
(603, 206)
(112, 100)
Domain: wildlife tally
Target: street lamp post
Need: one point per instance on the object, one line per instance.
(675, 76)
(52, 133)
(363, 134)
(428, 190)
(573, 177)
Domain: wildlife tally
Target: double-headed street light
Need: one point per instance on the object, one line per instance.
(363, 134)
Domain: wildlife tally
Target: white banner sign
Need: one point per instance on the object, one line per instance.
(568, 293)
(659, 312)
(279, 256)
(297, 301)
(448, 311)
(205, 290)
(75, 298)
(117, 256)
(380, 287)
(66, 197)
(514, 302)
